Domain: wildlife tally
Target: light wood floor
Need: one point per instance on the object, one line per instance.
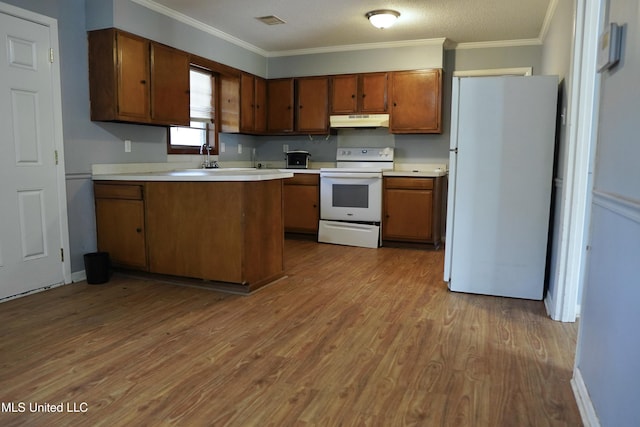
(352, 336)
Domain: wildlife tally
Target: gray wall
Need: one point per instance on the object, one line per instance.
(428, 55)
(500, 57)
(608, 355)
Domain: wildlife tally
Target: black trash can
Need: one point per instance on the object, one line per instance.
(96, 265)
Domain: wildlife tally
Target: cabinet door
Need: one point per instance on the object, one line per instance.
(121, 231)
(229, 117)
(133, 78)
(408, 209)
(261, 105)
(169, 86)
(373, 93)
(301, 204)
(416, 101)
(344, 94)
(247, 103)
(312, 101)
(280, 105)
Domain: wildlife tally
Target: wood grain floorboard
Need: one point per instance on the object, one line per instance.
(352, 337)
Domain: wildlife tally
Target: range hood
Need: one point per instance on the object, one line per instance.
(359, 121)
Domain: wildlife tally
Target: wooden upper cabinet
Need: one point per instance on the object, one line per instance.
(253, 99)
(280, 105)
(312, 104)
(359, 93)
(133, 77)
(373, 93)
(260, 120)
(416, 101)
(169, 85)
(344, 94)
(124, 69)
(229, 115)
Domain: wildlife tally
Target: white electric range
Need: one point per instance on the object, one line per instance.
(351, 197)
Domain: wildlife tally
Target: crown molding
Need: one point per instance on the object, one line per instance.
(500, 43)
(551, 11)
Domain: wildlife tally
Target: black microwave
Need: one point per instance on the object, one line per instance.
(297, 159)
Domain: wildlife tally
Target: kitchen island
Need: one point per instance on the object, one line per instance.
(221, 226)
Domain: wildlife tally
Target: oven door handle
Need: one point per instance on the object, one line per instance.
(352, 175)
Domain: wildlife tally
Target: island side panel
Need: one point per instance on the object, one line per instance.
(195, 229)
(264, 232)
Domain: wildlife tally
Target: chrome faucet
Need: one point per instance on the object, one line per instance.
(207, 163)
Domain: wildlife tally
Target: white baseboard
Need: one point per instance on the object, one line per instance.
(550, 305)
(33, 291)
(587, 411)
(78, 276)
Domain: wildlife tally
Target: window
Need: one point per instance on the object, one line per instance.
(202, 129)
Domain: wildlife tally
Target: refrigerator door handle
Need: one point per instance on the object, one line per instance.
(454, 150)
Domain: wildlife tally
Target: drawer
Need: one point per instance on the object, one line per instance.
(409, 183)
(303, 179)
(117, 191)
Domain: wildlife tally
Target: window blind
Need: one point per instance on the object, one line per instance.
(201, 95)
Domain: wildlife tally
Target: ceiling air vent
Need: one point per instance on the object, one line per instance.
(270, 20)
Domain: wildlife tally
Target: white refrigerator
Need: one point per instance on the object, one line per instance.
(500, 181)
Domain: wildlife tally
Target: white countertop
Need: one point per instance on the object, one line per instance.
(187, 172)
(417, 173)
(207, 175)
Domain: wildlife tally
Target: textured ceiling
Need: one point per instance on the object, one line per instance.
(333, 23)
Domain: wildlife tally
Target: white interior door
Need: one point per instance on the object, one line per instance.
(30, 231)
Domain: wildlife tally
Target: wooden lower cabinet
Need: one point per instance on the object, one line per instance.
(221, 231)
(120, 224)
(412, 209)
(302, 203)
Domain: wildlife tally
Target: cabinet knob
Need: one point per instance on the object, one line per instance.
(138, 230)
(353, 96)
(144, 82)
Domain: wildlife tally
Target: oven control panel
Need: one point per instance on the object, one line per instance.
(363, 154)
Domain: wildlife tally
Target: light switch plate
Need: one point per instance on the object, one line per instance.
(609, 47)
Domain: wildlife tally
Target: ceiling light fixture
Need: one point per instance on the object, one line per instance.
(382, 18)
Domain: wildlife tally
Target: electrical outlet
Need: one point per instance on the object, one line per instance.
(239, 148)
(127, 145)
(223, 147)
(285, 148)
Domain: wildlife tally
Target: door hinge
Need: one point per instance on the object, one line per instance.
(51, 55)
(56, 156)
(61, 254)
